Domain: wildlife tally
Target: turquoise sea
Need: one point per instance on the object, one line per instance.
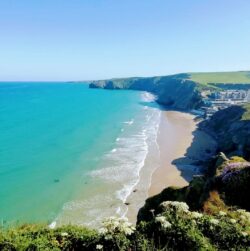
(70, 154)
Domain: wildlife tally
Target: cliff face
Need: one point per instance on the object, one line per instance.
(231, 127)
(172, 91)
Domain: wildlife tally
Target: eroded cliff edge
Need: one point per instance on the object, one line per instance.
(172, 91)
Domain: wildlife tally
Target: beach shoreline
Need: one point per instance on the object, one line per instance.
(170, 162)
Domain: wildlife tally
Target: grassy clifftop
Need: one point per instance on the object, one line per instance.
(221, 77)
(200, 78)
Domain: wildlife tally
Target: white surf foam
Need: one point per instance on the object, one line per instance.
(124, 165)
(130, 122)
(148, 97)
(119, 170)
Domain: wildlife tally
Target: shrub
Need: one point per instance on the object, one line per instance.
(214, 203)
(40, 237)
(115, 233)
(180, 229)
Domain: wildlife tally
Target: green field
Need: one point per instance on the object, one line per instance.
(221, 77)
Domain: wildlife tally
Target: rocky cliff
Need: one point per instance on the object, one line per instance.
(231, 128)
(174, 91)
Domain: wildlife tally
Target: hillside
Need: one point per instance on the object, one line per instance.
(179, 91)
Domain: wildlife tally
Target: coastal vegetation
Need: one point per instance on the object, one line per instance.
(173, 227)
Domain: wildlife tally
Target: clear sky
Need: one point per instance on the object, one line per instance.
(97, 39)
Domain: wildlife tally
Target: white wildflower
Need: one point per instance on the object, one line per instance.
(175, 206)
(247, 214)
(194, 222)
(221, 213)
(233, 221)
(99, 246)
(214, 221)
(242, 211)
(108, 237)
(166, 224)
(64, 234)
(162, 220)
(129, 230)
(244, 234)
(114, 225)
(243, 217)
(103, 230)
(196, 215)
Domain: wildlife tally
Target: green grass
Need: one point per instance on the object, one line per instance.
(246, 114)
(221, 77)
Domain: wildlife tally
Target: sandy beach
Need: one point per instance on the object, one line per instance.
(174, 138)
(180, 145)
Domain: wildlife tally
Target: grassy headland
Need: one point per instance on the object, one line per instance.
(204, 78)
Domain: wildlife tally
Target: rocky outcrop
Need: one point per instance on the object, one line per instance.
(172, 91)
(231, 128)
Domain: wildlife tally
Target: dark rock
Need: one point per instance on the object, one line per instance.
(231, 131)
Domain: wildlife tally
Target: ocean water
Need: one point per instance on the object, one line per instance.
(70, 154)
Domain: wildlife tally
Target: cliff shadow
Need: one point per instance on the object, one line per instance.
(197, 155)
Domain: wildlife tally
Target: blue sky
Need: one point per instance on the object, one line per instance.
(98, 39)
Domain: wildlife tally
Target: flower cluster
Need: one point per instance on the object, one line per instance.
(175, 206)
(99, 247)
(196, 215)
(244, 216)
(163, 221)
(222, 213)
(230, 175)
(232, 169)
(214, 221)
(114, 225)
